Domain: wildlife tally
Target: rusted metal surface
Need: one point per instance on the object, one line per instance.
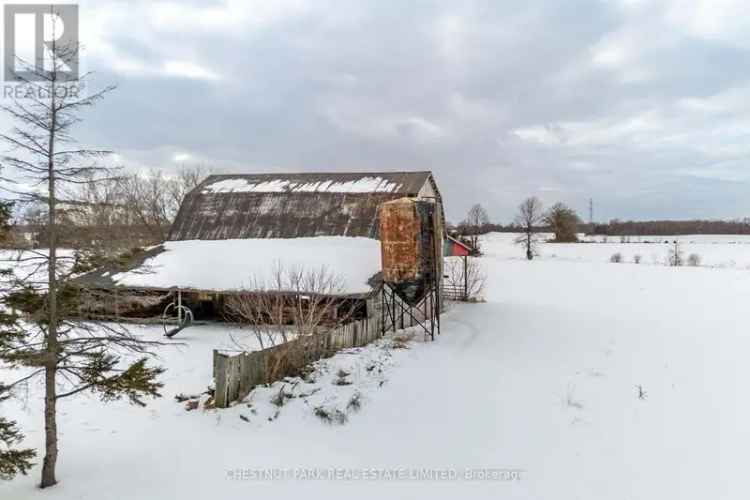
(410, 247)
(286, 213)
(400, 241)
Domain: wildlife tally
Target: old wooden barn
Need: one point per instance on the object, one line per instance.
(233, 230)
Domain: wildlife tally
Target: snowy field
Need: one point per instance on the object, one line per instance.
(543, 378)
(722, 251)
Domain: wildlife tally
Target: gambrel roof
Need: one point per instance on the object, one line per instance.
(293, 205)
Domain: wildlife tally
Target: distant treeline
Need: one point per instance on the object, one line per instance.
(672, 227)
(617, 227)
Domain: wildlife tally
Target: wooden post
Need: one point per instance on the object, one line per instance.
(466, 278)
(220, 378)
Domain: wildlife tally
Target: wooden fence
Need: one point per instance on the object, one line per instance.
(454, 292)
(236, 375)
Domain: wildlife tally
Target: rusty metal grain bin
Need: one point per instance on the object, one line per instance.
(407, 237)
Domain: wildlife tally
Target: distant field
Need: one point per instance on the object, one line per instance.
(720, 251)
(593, 380)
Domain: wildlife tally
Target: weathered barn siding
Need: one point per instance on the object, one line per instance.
(268, 215)
(209, 215)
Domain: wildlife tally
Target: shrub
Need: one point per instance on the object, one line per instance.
(694, 260)
(563, 221)
(280, 398)
(334, 416)
(616, 258)
(341, 380)
(468, 288)
(637, 259)
(355, 402)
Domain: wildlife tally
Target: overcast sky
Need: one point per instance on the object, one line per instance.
(644, 106)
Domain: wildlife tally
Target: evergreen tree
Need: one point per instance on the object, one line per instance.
(41, 331)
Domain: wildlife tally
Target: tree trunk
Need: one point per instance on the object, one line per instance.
(50, 374)
(50, 428)
(529, 249)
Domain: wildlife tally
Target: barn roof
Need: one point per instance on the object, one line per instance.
(246, 265)
(292, 205)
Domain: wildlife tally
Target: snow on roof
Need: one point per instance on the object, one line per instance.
(374, 184)
(293, 205)
(230, 265)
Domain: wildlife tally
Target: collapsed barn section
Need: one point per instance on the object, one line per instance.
(249, 233)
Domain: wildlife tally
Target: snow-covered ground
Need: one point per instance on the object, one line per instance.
(30, 266)
(543, 378)
(724, 251)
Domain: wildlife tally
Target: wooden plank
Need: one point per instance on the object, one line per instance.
(233, 384)
(252, 366)
(237, 375)
(220, 379)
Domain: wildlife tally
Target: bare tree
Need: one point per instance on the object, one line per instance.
(465, 274)
(264, 310)
(149, 202)
(94, 216)
(154, 198)
(474, 224)
(563, 221)
(115, 213)
(71, 356)
(289, 311)
(186, 179)
(529, 216)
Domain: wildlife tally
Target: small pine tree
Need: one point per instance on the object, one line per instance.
(50, 339)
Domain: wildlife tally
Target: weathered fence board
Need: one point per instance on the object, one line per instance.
(237, 375)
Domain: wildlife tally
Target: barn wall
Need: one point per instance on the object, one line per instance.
(209, 215)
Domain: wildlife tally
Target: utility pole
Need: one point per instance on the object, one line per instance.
(591, 214)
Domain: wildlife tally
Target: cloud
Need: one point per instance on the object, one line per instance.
(182, 157)
(642, 105)
(188, 69)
